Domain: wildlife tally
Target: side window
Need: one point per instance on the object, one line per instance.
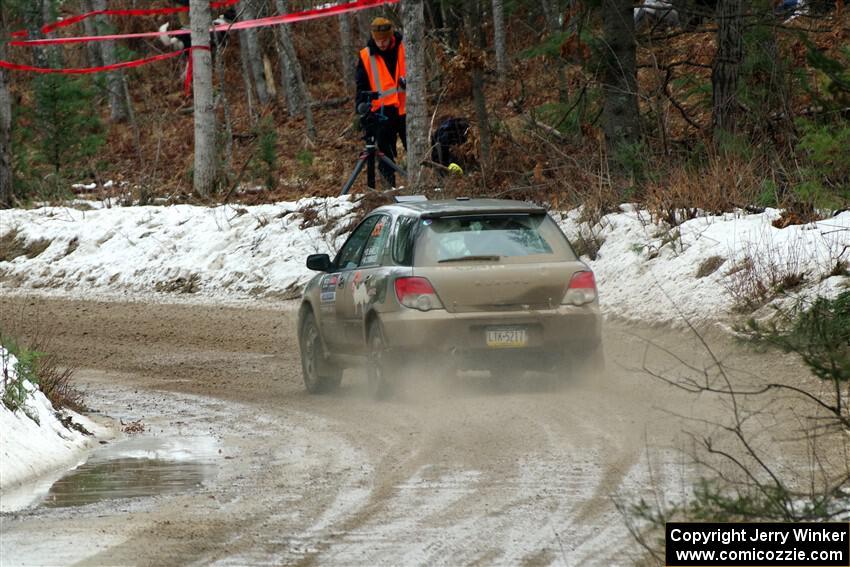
(373, 253)
(349, 254)
(405, 234)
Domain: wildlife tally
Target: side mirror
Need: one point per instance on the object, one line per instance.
(319, 262)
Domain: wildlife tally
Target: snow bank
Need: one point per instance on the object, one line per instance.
(215, 252)
(706, 266)
(644, 270)
(33, 441)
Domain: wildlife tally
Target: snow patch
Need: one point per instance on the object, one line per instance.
(33, 441)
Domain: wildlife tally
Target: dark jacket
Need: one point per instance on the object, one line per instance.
(390, 57)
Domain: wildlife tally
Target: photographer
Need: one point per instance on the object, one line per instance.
(383, 53)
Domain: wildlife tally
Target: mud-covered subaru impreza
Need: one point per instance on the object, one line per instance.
(479, 284)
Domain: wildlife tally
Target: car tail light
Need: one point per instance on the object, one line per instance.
(582, 289)
(417, 293)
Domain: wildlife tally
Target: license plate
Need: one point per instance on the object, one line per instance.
(507, 338)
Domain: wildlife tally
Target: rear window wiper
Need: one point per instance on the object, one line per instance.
(471, 258)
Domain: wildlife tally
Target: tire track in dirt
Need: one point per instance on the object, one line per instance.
(449, 472)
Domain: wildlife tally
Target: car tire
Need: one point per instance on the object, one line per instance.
(319, 376)
(382, 370)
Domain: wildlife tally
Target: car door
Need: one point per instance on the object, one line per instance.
(366, 285)
(335, 285)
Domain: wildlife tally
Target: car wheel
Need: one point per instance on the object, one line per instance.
(319, 378)
(381, 371)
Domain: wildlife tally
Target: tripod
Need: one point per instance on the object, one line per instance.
(369, 122)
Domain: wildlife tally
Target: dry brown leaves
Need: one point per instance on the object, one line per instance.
(133, 427)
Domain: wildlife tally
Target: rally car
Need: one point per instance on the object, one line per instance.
(480, 284)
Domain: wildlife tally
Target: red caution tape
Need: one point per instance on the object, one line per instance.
(146, 12)
(333, 10)
(86, 70)
(270, 21)
(187, 83)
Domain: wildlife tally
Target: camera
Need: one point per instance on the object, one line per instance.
(364, 106)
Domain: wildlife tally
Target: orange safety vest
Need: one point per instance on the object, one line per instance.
(388, 92)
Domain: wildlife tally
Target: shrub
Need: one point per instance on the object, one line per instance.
(267, 152)
(745, 479)
(61, 133)
(820, 335)
(765, 271)
(722, 184)
(19, 365)
(40, 369)
(825, 176)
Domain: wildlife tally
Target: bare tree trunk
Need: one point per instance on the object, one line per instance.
(727, 64)
(90, 27)
(225, 105)
(552, 14)
(6, 176)
(620, 117)
(499, 42)
(416, 76)
(245, 57)
(347, 53)
(364, 25)
(34, 16)
(118, 103)
(248, 42)
(472, 22)
(204, 106)
(292, 79)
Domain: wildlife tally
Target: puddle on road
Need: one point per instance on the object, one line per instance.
(123, 478)
(136, 467)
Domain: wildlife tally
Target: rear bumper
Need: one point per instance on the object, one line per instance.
(551, 333)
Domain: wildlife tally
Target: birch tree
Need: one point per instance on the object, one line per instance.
(119, 104)
(292, 78)
(204, 106)
(5, 123)
(620, 118)
(416, 76)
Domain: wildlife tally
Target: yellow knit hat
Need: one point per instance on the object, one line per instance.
(382, 29)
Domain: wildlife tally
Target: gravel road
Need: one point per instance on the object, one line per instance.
(450, 472)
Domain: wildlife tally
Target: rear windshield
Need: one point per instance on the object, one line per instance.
(510, 238)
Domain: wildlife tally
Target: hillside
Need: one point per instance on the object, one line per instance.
(545, 117)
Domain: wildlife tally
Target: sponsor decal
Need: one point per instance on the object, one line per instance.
(328, 290)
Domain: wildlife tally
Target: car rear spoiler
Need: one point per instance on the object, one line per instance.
(484, 211)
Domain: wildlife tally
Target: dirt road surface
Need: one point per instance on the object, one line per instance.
(450, 472)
